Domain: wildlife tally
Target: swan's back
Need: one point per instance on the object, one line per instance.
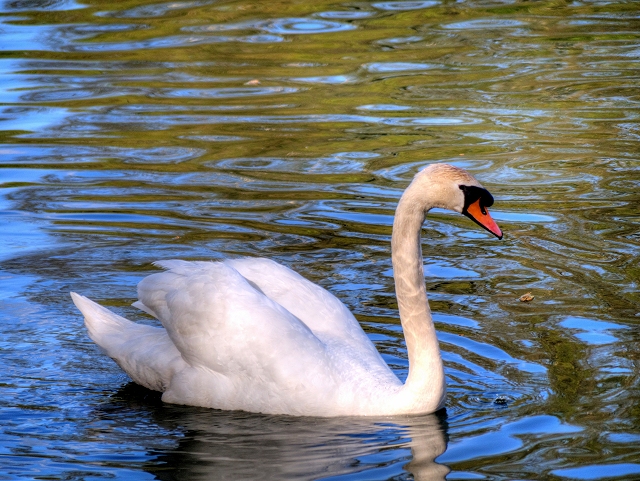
(252, 335)
(327, 317)
(210, 311)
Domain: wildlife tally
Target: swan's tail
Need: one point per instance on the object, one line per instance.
(105, 328)
(144, 352)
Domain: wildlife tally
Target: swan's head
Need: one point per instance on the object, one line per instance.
(453, 188)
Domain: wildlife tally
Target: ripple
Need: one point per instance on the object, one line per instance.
(400, 40)
(490, 351)
(384, 107)
(592, 331)
(61, 95)
(599, 471)
(485, 23)
(32, 119)
(365, 218)
(9, 6)
(42, 154)
(224, 93)
(154, 10)
(280, 26)
(396, 6)
(624, 438)
(382, 67)
(329, 79)
(34, 176)
(356, 155)
(26, 36)
(523, 217)
(417, 121)
(93, 30)
(297, 26)
(341, 162)
(453, 320)
(214, 138)
(175, 41)
(439, 271)
(348, 15)
(60, 154)
(498, 136)
(117, 116)
(506, 439)
(161, 155)
(224, 27)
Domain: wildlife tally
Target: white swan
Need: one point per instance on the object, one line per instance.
(250, 334)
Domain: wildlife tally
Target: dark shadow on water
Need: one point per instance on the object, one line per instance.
(213, 444)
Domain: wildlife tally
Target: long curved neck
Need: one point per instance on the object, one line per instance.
(426, 381)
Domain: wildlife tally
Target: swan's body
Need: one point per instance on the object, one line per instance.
(250, 334)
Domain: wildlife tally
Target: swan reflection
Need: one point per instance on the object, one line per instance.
(211, 444)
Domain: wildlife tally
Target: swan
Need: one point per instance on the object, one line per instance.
(250, 334)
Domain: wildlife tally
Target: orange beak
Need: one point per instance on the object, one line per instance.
(480, 215)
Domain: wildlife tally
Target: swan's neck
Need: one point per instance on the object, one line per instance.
(426, 382)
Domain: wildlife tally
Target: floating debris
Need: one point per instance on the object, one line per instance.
(253, 82)
(528, 297)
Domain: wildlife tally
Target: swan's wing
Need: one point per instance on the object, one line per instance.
(320, 310)
(328, 318)
(219, 322)
(145, 353)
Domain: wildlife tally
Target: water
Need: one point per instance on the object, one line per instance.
(132, 132)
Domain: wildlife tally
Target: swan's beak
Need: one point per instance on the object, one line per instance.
(480, 215)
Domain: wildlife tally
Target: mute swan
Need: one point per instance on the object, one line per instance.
(250, 334)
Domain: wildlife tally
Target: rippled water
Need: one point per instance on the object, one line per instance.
(133, 132)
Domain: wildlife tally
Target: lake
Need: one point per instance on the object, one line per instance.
(136, 131)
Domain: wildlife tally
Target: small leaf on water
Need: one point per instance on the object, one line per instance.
(526, 297)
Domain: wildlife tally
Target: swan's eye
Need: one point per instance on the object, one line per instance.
(472, 193)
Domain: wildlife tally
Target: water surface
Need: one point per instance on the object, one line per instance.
(139, 131)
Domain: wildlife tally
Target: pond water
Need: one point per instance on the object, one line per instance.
(138, 131)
